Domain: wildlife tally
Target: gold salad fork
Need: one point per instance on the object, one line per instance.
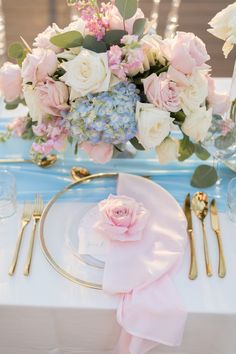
(26, 217)
(38, 209)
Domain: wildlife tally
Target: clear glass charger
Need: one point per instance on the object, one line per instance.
(62, 218)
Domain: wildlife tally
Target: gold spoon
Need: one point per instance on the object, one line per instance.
(200, 208)
(79, 172)
(45, 162)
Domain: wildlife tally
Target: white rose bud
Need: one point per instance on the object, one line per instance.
(154, 125)
(33, 103)
(197, 124)
(168, 150)
(87, 73)
(194, 95)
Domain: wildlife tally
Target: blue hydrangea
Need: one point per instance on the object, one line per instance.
(108, 116)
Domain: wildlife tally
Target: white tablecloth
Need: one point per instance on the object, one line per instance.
(47, 314)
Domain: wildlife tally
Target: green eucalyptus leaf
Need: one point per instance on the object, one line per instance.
(134, 141)
(11, 105)
(114, 37)
(201, 152)
(186, 149)
(18, 52)
(139, 26)
(224, 142)
(71, 2)
(204, 176)
(69, 39)
(127, 8)
(91, 43)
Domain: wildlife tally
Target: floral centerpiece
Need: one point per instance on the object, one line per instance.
(108, 79)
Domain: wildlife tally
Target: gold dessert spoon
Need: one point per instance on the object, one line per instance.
(200, 208)
(45, 162)
(79, 172)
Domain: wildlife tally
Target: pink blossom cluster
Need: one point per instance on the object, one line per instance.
(51, 136)
(226, 126)
(126, 61)
(94, 17)
(18, 126)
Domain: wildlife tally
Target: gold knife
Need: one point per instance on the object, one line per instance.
(216, 227)
(193, 272)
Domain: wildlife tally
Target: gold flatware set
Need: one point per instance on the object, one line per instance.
(30, 211)
(200, 206)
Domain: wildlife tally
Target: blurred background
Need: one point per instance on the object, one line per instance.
(27, 18)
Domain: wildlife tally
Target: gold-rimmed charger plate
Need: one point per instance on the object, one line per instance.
(54, 248)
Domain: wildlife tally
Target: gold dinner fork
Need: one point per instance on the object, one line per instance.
(38, 209)
(26, 217)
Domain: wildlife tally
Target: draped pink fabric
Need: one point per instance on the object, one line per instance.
(150, 311)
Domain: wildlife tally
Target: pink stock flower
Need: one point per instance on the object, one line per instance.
(219, 102)
(162, 92)
(10, 81)
(116, 21)
(95, 20)
(18, 125)
(53, 96)
(99, 153)
(38, 65)
(134, 61)
(185, 52)
(53, 136)
(122, 218)
(115, 55)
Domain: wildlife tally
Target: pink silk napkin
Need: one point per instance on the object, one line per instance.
(150, 311)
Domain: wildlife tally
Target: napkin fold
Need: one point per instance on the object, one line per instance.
(150, 310)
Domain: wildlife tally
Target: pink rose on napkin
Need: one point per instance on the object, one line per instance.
(122, 218)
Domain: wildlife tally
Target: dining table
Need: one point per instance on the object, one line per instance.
(46, 313)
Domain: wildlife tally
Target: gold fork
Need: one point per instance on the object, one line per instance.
(26, 217)
(38, 209)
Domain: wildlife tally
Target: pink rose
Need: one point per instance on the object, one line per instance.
(38, 65)
(122, 218)
(99, 153)
(53, 96)
(185, 52)
(162, 92)
(10, 81)
(219, 102)
(116, 21)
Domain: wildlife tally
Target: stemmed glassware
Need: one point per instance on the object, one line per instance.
(221, 142)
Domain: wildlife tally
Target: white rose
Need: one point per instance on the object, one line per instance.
(77, 25)
(168, 150)
(152, 50)
(33, 103)
(197, 124)
(87, 73)
(224, 27)
(195, 93)
(154, 125)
